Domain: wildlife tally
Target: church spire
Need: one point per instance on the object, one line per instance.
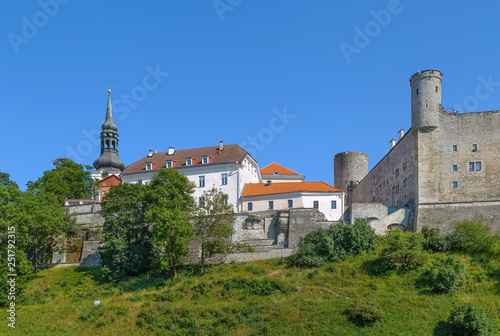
(109, 160)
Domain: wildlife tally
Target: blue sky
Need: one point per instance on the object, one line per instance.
(305, 80)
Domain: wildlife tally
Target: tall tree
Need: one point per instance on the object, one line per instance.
(45, 221)
(127, 236)
(171, 204)
(67, 180)
(212, 224)
(13, 236)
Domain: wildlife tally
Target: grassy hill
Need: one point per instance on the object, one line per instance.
(254, 298)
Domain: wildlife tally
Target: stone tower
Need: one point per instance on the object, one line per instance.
(109, 162)
(426, 110)
(349, 169)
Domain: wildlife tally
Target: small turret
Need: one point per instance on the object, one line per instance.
(349, 169)
(425, 100)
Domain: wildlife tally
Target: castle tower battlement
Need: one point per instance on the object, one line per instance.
(425, 100)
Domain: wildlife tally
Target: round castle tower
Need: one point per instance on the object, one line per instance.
(349, 168)
(425, 100)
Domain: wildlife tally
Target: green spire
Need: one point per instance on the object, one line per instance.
(109, 124)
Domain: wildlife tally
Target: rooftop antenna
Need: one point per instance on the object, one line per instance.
(154, 146)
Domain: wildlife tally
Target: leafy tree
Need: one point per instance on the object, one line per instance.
(67, 180)
(12, 239)
(469, 320)
(334, 244)
(170, 208)
(44, 221)
(212, 225)
(472, 236)
(127, 236)
(403, 251)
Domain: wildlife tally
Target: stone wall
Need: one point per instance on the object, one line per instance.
(381, 217)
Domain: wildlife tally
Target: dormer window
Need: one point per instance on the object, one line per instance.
(149, 166)
(276, 173)
(169, 164)
(189, 162)
(204, 159)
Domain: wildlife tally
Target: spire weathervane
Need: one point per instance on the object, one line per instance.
(109, 84)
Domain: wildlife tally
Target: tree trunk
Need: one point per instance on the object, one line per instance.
(202, 259)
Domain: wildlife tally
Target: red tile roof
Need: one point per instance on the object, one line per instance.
(276, 168)
(230, 153)
(259, 189)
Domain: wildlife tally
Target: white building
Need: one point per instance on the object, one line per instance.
(228, 168)
(285, 189)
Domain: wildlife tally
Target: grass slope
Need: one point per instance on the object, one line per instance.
(254, 298)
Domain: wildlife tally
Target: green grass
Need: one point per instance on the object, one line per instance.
(254, 298)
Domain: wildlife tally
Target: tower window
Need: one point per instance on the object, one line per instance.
(455, 184)
(437, 89)
(397, 172)
(113, 144)
(471, 166)
(474, 147)
(454, 148)
(478, 165)
(455, 168)
(107, 143)
(417, 91)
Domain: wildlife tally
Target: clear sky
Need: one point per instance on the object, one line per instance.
(293, 82)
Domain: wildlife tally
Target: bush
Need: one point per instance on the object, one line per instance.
(448, 274)
(435, 242)
(469, 320)
(366, 312)
(334, 244)
(403, 251)
(472, 236)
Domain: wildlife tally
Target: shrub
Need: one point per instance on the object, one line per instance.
(403, 251)
(472, 236)
(435, 242)
(334, 244)
(366, 312)
(447, 275)
(469, 320)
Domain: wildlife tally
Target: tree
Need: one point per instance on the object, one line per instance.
(212, 224)
(67, 180)
(12, 239)
(44, 220)
(127, 236)
(170, 208)
(403, 251)
(472, 236)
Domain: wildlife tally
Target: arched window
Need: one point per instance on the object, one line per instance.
(113, 144)
(107, 143)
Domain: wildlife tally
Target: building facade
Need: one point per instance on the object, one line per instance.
(227, 168)
(445, 168)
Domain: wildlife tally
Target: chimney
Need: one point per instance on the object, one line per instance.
(401, 134)
(171, 151)
(150, 153)
(393, 143)
(221, 146)
(268, 183)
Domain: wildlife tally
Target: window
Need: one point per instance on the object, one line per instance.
(201, 201)
(455, 184)
(202, 181)
(271, 205)
(104, 192)
(149, 166)
(104, 184)
(455, 168)
(474, 147)
(334, 204)
(224, 199)
(250, 206)
(417, 91)
(471, 166)
(316, 204)
(224, 179)
(405, 182)
(169, 164)
(397, 189)
(375, 180)
(411, 160)
(478, 165)
(189, 162)
(204, 159)
(139, 182)
(290, 203)
(405, 165)
(454, 148)
(397, 172)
